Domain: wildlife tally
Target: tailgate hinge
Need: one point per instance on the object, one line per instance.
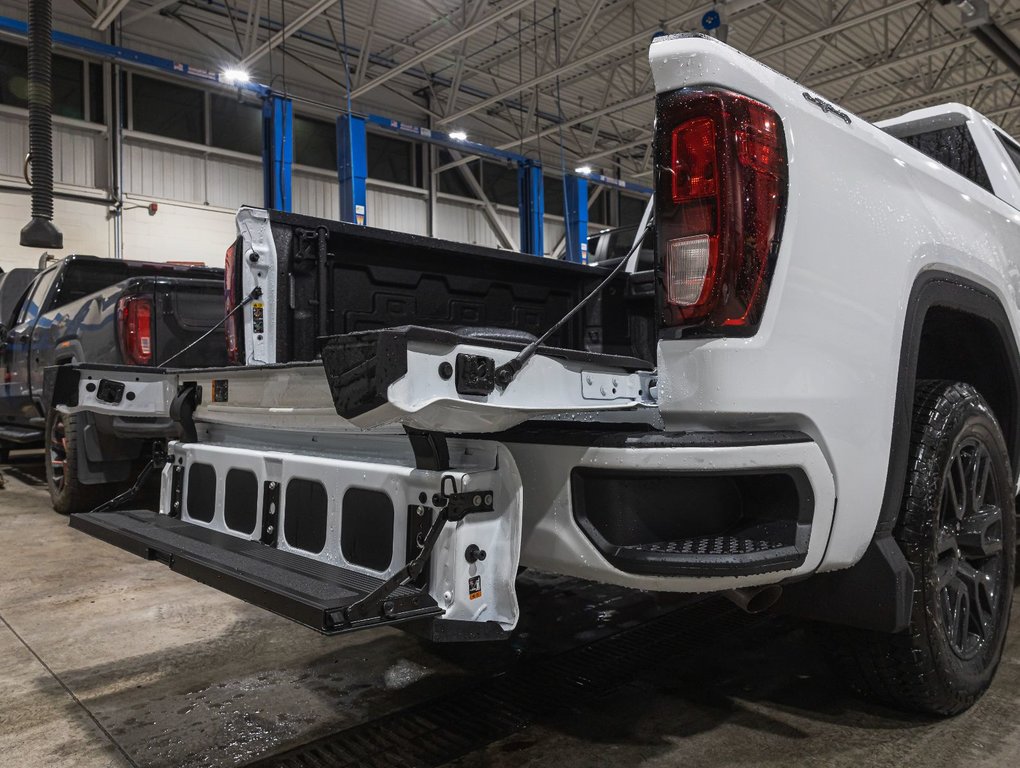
(453, 507)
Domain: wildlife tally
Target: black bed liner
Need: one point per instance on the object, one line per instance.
(337, 278)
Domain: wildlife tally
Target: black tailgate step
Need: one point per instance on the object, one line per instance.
(299, 588)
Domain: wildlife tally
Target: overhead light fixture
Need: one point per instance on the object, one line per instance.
(458, 135)
(235, 76)
(584, 170)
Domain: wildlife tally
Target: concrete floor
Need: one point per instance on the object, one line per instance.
(107, 660)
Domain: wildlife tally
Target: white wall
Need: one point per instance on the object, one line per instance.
(176, 233)
(179, 233)
(83, 224)
(197, 190)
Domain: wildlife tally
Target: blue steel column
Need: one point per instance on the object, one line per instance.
(531, 201)
(575, 204)
(352, 168)
(277, 151)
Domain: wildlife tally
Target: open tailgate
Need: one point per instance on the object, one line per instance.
(419, 378)
(435, 380)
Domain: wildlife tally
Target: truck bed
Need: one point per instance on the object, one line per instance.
(326, 278)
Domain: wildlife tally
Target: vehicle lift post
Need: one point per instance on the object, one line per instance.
(352, 168)
(277, 151)
(575, 204)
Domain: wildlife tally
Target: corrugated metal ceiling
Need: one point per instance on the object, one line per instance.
(521, 74)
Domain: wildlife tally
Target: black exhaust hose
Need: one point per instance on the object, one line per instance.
(40, 232)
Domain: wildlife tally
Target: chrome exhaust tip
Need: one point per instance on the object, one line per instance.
(754, 599)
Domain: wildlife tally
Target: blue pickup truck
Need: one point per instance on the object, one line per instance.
(96, 310)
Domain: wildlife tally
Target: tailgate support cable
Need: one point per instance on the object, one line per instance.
(157, 462)
(506, 373)
(181, 410)
(256, 293)
(453, 507)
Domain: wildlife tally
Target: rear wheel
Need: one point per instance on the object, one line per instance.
(67, 493)
(957, 529)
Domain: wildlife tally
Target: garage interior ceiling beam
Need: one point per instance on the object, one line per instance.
(521, 75)
(108, 11)
(145, 13)
(451, 41)
(628, 42)
(295, 26)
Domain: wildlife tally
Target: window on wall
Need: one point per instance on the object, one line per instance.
(631, 210)
(13, 75)
(553, 195)
(235, 125)
(96, 93)
(314, 143)
(167, 109)
(391, 159)
(68, 81)
(68, 94)
(598, 211)
(499, 182)
(452, 182)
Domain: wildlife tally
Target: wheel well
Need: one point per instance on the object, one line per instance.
(960, 346)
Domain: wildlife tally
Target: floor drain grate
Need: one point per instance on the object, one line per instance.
(435, 732)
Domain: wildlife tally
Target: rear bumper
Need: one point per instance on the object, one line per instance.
(684, 512)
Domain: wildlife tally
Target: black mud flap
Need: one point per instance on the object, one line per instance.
(301, 589)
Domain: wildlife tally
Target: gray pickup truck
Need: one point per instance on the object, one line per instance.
(90, 309)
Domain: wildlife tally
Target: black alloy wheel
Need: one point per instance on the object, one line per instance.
(970, 561)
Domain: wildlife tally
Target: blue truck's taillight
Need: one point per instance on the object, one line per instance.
(134, 316)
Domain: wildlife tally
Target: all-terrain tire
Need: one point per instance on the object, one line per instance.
(67, 493)
(957, 529)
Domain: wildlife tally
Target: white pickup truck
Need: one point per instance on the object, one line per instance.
(810, 403)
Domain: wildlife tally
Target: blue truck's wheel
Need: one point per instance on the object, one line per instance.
(957, 529)
(67, 493)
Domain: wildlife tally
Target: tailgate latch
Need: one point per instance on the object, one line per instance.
(476, 374)
(456, 505)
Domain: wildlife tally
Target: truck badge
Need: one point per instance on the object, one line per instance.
(827, 108)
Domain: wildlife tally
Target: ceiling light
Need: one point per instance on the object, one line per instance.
(458, 135)
(235, 76)
(584, 170)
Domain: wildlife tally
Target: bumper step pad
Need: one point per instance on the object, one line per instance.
(772, 546)
(307, 591)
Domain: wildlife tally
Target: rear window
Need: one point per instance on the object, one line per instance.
(953, 147)
(621, 242)
(81, 278)
(1011, 149)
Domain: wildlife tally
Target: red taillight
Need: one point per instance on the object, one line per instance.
(720, 196)
(231, 291)
(135, 327)
(693, 162)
